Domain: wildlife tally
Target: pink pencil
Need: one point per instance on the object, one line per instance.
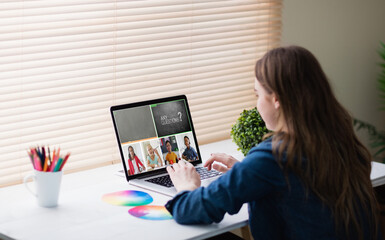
(37, 163)
(53, 162)
(35, 159)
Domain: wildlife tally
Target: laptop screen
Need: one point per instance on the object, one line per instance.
(154, 134)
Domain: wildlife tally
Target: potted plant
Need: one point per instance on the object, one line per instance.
(377, 138)
(248, 130)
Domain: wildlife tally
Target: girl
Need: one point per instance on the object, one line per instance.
(310, 179)
(135, 165)
(153, 160)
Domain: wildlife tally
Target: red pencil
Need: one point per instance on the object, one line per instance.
(64, 161)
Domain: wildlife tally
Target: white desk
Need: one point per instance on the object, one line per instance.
(82, 214)
(378, 174)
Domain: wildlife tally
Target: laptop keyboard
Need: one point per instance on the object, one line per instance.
(166, 181)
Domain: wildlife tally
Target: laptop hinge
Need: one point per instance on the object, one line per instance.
(152, 174)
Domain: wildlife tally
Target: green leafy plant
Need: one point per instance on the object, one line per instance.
(248, 130)
(377, 138)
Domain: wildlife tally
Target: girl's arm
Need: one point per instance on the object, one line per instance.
(255, 177)
(148, 162)
(159, 159)
(140, 162)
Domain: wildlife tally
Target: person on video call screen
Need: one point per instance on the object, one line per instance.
(171, 157)
(134, 163)
(189, 153)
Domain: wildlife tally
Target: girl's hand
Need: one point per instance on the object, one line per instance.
(184, 176)
(227, 160)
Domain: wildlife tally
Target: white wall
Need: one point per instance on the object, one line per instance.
(344, 35)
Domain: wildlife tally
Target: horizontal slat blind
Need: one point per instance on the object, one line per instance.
(64, 63)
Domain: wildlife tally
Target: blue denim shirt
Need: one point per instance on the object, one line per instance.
(276, 210)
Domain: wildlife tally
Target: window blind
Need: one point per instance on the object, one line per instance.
(64, 63)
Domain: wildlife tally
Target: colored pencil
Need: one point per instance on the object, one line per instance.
(42, 156)
(45, 164)
(53, 161)
(37, 163)
(42, 160)
(49, 158)
(64, 161)
(58, 165)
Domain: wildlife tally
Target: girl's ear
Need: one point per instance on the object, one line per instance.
(276, 102)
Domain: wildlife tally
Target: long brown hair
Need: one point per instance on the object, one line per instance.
(129, 154)
(320, 130)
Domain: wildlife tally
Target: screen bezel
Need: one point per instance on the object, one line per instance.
(146, 103)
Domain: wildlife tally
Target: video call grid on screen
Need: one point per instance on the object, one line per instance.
(146, 129)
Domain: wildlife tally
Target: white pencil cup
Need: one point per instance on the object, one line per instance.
(47, 186)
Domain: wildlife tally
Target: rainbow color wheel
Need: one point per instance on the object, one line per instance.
(127, 198)
(150, 212)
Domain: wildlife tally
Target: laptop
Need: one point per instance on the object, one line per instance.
(155, 134)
